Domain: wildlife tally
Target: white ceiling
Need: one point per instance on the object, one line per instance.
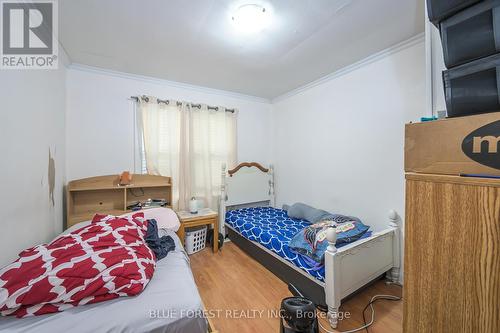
(194, 41)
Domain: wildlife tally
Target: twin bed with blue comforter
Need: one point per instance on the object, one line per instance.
(274, 229)
(294, 244)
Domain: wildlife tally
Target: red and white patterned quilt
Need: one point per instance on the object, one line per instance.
(102, 261)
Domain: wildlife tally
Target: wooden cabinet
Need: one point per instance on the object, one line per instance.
(86, 197)
(452, 254)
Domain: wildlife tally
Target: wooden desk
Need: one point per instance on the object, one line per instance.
(204, 217)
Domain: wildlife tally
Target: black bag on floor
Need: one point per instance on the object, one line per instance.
(210, 237)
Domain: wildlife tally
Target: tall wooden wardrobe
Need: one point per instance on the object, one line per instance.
(452, 237)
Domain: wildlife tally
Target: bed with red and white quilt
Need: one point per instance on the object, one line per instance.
(100, 276)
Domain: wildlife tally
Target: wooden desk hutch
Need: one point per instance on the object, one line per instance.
(86, 197)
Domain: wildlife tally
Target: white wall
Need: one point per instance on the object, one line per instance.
(100, 120)
(32, 124)
(339, 145)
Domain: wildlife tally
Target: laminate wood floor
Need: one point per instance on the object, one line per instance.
(243, 296)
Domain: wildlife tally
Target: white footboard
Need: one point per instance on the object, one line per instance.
(353, 266)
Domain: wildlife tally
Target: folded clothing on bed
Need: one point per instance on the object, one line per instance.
(312, 243)
(104, 260)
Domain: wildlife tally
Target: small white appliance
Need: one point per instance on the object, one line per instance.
(193, 206)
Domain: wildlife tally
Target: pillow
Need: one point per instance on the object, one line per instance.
(165, 218)
(311, 241)
(302, 211)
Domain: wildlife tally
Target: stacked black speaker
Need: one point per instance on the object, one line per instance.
(470, 34)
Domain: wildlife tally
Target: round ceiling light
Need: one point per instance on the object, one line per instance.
(251, 18)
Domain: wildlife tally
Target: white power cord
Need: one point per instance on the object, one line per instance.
(373, 299)
(390, 283)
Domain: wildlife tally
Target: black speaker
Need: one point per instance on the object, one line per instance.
(438, 10)
(473, 88)
(471, 34)
(298, 315)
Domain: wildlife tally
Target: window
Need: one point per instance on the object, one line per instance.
(189, 143)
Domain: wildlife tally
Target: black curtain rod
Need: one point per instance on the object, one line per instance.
(216, 108)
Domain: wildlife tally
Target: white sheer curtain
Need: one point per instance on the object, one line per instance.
(188, 143)
(212, 142)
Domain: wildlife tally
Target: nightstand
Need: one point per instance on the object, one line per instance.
(204, 217)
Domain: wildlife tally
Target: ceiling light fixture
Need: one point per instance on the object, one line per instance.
(251, 18)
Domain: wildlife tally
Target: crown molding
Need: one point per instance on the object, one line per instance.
(63, 56)
(150, 79)
(347, 69)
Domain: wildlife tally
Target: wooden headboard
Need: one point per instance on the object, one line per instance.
(248, 165)
(102, 194)
(248, 184)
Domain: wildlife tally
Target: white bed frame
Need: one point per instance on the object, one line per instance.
(346, 269)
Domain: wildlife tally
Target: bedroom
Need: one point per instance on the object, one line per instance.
(336, 104)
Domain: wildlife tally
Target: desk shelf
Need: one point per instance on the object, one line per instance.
(103, 195)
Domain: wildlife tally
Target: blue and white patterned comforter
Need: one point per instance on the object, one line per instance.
(272, 228)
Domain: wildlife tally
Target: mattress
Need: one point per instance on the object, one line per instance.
(273, 229)
(170, 303)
